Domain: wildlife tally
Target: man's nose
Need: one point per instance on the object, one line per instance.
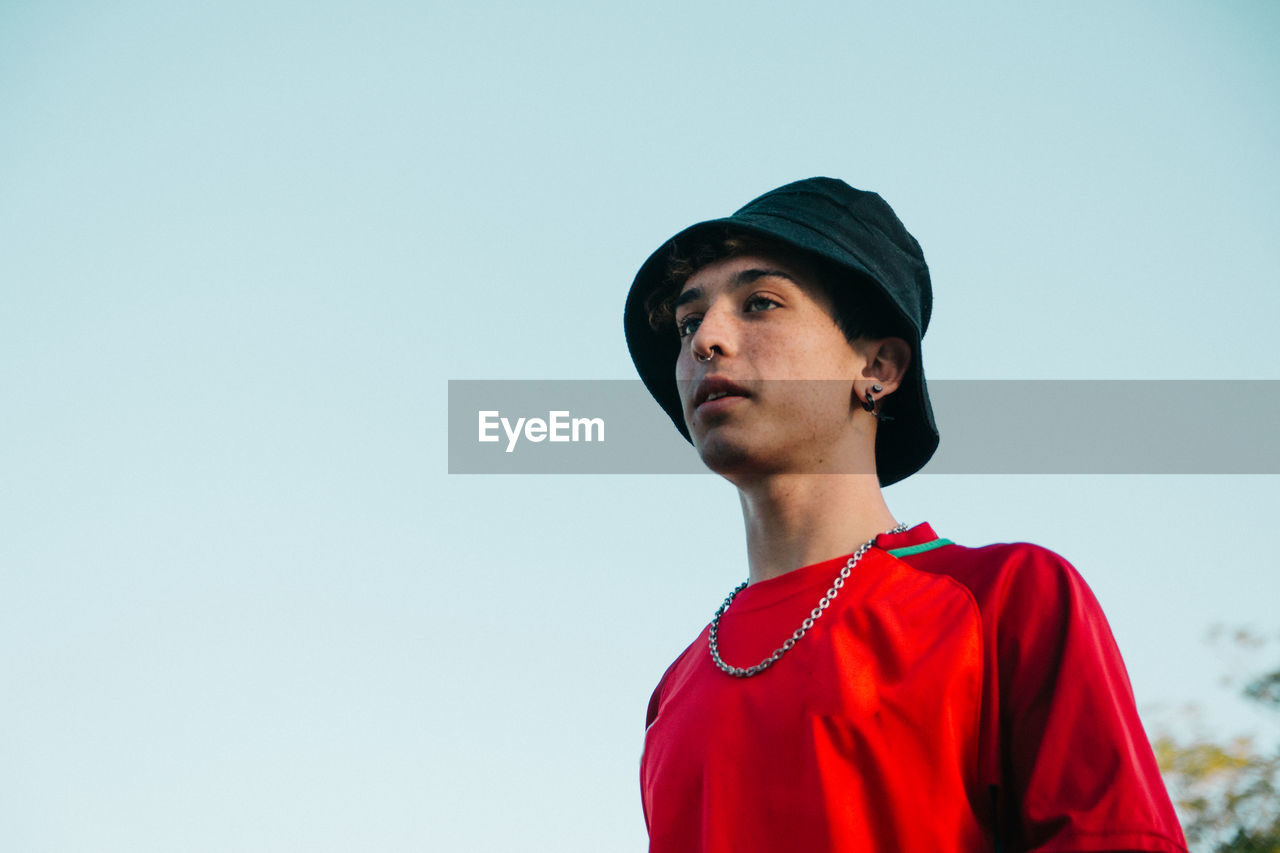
(716, 333)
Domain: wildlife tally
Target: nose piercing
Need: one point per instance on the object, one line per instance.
(704, 358)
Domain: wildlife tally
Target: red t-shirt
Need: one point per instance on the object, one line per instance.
(950, 699)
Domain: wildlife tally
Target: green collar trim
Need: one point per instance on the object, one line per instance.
(921, 548)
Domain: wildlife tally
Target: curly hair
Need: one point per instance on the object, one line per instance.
(861, 311)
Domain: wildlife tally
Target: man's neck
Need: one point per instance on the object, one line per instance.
(800, 519)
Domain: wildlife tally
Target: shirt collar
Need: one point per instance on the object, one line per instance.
(919, 535)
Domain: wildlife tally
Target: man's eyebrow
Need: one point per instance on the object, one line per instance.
(740, 279)
(688, 296)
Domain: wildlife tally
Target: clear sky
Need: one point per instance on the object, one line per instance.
(244, 246)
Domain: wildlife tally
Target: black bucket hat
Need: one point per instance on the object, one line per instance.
(854, 229)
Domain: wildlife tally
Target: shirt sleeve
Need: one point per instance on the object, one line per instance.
(1078, 772)
(655, 701)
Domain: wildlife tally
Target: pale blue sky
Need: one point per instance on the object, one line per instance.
(243, 247)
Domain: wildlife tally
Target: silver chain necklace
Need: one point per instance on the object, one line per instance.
(823, 604)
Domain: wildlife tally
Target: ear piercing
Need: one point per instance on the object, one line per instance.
(870, 403)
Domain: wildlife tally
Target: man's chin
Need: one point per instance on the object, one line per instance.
(732, 458)
(740, 457)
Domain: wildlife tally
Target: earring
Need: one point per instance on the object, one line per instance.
(870, 404)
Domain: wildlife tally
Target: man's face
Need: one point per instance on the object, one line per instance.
(783, 366)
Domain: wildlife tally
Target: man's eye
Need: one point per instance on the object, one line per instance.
(687, 326)
(760, 303)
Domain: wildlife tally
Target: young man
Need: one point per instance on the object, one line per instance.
(870, 687)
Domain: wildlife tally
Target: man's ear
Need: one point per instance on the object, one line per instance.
(887, 362)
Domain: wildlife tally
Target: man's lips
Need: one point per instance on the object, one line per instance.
(714, 388)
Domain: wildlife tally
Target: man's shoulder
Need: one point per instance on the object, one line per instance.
(655, 698)
(944, 556)
(999, 573)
